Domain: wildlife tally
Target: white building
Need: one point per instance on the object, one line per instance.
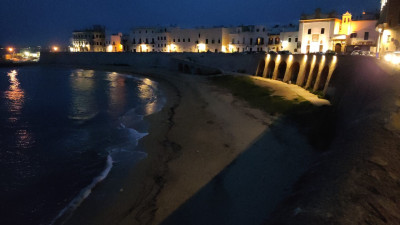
(148, 39)
(340, 35)
(216, 39)
(316, 35)
(248, 39)
(290, 41)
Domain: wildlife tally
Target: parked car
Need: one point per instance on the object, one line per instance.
(272, 53)
(330, 52)
(367, 53)
(284, 53)
(356, 52)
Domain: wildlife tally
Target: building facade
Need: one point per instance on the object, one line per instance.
(248, 39)
(341, 35)
(89, 40)
(215, 39)
(290, 41)
(389, 26)
(114, 43)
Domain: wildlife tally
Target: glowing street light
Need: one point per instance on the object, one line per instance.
(55, 48)
(10, 49)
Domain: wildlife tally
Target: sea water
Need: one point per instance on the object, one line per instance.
(61, 132)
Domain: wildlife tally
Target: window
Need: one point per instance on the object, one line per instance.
(147, 41)
(219, 41)
(174, 40)
(134, 41)
(251, 41)
(188, 39)
(322, 30)
(212, 41)
(258, 30)
(165, 38)
(296, 40)
(244, 40)
(183, 40)
(309, 31)
(206, 41)
(233, 40)
(353, 35)
(152, 40)
(179, 40)
(199, 35)
(290, 40)
(366, 36)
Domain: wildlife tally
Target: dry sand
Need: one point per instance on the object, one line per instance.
(202, 137)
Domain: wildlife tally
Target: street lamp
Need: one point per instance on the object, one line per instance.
(11, 50)
(55, 49)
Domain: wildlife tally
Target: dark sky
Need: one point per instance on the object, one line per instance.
(48, 22)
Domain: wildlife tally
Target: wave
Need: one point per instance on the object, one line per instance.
(84, 193)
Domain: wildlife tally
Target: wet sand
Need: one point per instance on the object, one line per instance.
(203, 141)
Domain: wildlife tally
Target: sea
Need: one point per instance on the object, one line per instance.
(61, 132)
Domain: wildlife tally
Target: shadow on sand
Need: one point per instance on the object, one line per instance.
(250, 188)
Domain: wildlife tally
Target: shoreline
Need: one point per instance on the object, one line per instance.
(181, 164)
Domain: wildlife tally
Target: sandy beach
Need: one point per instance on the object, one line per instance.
(203, 141)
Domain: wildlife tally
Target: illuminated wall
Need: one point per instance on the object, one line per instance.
(311, 72)
(88, 41)
(248, 38)
(114, 44)
(317, 35)
(217, 39)
(289, 41)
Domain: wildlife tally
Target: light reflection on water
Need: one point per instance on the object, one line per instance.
(117, 93)
(148, 94)
(16, 99)
(83, 97)
(15, 96)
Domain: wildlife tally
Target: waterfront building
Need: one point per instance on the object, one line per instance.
(252, 38)
(114, 43)
(274, 42)
(214, 39)
(148, 39)
(290, 41)
(389, 26)
(320, 33)
(89, 40)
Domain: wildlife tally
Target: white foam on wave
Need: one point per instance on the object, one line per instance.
(85, 192)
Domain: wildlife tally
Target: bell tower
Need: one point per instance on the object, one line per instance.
(346, 23)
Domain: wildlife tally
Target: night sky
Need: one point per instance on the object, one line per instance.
(51, 22)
